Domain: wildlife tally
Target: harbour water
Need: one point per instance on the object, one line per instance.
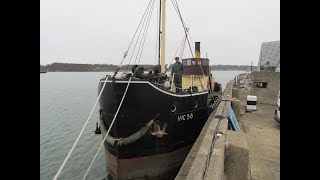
(66, 99)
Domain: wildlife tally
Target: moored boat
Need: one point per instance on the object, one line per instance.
(153, 126)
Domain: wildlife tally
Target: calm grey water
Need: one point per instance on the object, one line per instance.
(66, 99)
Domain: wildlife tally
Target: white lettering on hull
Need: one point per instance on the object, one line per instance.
(185, 117)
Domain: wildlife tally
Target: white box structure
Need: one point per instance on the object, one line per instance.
(251, 103)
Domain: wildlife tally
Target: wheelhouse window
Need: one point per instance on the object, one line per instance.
(195, 62)
(195, 66)
(205, 62)
(184, 62)
(189, 62)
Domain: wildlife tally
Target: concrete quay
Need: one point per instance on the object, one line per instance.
(262, 133)
(223, 154)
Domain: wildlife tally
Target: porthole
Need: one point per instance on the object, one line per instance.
(173, 108)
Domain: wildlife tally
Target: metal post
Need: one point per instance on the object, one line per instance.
(172, 82)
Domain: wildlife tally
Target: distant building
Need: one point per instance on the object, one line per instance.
(243, 79)
(269, 59)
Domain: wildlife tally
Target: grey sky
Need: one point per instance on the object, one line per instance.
(99, 31)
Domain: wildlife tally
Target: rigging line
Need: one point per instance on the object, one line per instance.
(145, 33)
(139, 35)
(177, 9)
(178, 12)
(183, 46)
(141, 30)
(139, 25)
(190, 38)
(126, 53)
(143, 22)
(183, 21)
(175, 4)
(84, 126)
(190, 47)
(183, 24)
(178, 49)
(104, 139)
(145, 36)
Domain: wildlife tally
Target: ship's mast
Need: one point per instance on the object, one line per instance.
(159, 46)
(163, 35)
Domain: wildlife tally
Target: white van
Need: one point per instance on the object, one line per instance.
(277, 111)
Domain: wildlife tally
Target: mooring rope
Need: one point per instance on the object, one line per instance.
(105, 137)
(75, 143)
(176, 7)
(178, 49)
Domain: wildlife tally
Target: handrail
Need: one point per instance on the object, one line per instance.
(178, 87)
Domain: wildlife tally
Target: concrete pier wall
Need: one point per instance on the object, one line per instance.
(236, 156)
(206, 160)
(253, 153)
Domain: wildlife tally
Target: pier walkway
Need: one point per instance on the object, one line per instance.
(262, 132)
(223, 154)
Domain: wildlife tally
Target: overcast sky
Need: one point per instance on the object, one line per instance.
(99, 31)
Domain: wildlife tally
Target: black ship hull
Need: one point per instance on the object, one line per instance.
(153, 125)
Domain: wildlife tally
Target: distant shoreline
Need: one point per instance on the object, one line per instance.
(130, 71)
(67, 67)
